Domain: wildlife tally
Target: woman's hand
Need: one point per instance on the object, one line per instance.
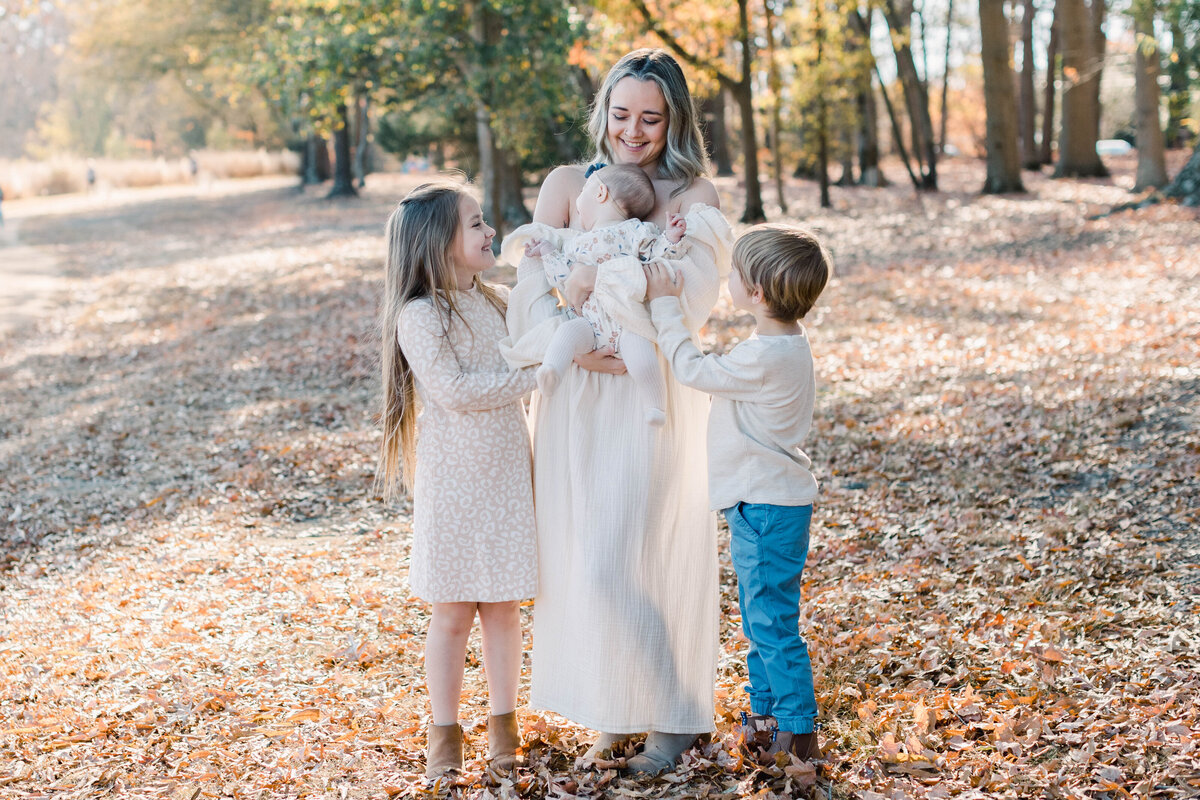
(601, 360)
(579, 285)
(659, 282)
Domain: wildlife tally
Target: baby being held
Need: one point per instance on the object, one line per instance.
(613, 200)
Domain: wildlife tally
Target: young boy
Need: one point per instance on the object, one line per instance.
(758, 476)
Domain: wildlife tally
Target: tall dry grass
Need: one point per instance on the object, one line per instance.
(67, 174)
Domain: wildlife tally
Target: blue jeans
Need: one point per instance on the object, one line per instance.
(769, 546)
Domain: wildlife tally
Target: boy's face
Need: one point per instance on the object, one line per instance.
(738, 292)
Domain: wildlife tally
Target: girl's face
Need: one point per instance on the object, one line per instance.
(637, 122)
(471, 252)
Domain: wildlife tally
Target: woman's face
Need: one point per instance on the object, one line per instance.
(472, 249)
(637, 122)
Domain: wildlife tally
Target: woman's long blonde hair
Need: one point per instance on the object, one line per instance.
(684, 158)
(421, 233)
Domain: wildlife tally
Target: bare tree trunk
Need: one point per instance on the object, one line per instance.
(1003, 158)
(822, 110)
(512, 201)
(1047, 154)
(776, 88)
(1178, 86)
(716, 134)
(896, 135)
(1151, 147)
(941, 144)
(343, 170)
(1030, 157)
(869, 173)
(916, 96)
(1081, 108)
(362, 162)
(310, 172)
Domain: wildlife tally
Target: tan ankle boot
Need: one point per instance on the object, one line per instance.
(444, 749)
(503, 740)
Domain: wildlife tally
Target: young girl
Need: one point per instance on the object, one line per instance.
(465, 457)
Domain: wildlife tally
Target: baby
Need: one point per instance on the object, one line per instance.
(610, 206)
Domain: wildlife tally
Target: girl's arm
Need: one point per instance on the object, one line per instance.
(439, 374)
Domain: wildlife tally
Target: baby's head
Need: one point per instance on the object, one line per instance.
(788, 264)
(615, 192)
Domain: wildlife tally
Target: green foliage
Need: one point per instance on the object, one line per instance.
(834, 77)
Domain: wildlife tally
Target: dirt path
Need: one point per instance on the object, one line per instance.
(200, 596)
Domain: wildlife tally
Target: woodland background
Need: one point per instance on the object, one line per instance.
(200, 596)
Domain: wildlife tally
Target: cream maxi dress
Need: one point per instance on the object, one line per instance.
(625, 621)
(473, 524)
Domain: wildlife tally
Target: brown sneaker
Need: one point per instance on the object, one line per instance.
(756, 733)
(444, 750)
(803, 746)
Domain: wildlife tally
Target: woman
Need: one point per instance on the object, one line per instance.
(625, 623)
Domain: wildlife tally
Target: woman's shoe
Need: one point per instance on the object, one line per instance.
(503, 740)
(444, 750)
(662, 752)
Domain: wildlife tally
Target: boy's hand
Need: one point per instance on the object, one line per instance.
(659, 282)
(676, 228)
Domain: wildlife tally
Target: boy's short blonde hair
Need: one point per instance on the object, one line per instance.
(789, 263)
(631, 187)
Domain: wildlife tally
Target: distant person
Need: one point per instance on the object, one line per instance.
(762, 408)
(611, 205)
(91, 176)
(193, 166)
(465, 458)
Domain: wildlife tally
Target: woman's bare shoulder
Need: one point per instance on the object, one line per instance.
(703, 191)
(561, 186)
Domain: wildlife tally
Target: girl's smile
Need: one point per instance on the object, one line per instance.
(472, 251)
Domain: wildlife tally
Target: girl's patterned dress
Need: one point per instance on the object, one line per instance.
(473, 525)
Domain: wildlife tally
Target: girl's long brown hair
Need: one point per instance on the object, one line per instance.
(421, 233)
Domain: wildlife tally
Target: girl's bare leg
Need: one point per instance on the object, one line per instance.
(445, 658)
(502, 648)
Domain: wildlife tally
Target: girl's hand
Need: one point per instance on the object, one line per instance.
(659, 282)
(676, 228)
(601, 360)
(579, 285)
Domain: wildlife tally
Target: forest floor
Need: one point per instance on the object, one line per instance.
(201, 597)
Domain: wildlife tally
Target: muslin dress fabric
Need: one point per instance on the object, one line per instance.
(625, 620)
(474, 538)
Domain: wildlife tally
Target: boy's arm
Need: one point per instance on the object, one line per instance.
(733, 376)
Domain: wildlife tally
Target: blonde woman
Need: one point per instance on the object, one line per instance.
(464, 457)
(625, 622)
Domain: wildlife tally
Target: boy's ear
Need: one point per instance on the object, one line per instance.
(602, 192)
(757, 294)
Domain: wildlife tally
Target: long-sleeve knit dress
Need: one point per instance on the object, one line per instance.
(473, 526)
(625, 621)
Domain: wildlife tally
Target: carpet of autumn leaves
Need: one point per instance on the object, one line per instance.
(200, 596)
